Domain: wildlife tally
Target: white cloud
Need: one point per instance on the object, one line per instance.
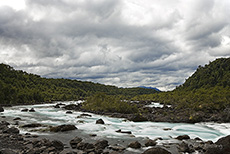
(124, 43)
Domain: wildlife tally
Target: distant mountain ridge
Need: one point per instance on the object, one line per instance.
(149, 88)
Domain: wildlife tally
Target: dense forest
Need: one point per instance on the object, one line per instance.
(19, 87)
(208, 89)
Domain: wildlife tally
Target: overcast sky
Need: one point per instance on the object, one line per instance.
(126, 43)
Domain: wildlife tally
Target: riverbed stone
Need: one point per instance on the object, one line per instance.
(73, 143)
(101, 144)
(85, 146)
(135, 145)
(58, 145)
(156, 150)
(11, 130)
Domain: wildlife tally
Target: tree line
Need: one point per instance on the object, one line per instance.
(19, 87)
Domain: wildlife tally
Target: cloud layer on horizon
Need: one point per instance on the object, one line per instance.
(116, 42)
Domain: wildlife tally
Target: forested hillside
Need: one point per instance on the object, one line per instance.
(208, 89)
(17, 86)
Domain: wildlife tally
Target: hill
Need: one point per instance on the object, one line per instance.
(17, 86)
(208, 89)
(217, 73)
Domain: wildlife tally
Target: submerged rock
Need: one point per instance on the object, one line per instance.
(31, 125)
(124, 132)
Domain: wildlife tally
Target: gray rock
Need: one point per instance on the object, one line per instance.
(73, 143)
(85, 146)
(63, 128)
(183, 137)
(101, 144)
(156, 150)
(58, 145)
(11, 130)
(7, 151)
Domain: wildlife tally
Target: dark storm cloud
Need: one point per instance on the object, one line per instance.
(124, 43)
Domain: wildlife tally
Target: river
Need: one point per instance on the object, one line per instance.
(48, 115)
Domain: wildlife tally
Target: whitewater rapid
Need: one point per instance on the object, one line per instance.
(48, 115)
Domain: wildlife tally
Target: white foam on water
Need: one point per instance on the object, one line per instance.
(48, 115)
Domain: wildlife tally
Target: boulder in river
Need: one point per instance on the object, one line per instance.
(24, 110)
(69, 112)
(100, 121)
(17, 118)
(1, 109)
(32, 110)
(63, 128)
